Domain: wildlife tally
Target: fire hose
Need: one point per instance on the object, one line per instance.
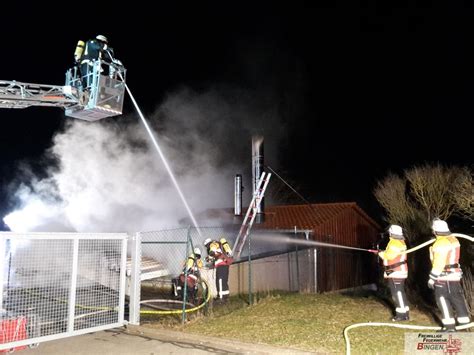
(179, 311)
(405, 326)
(422, 245)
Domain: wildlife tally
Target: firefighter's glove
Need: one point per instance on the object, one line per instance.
(431, 283)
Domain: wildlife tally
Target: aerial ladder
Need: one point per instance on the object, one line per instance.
(251, 214)
(91, 97)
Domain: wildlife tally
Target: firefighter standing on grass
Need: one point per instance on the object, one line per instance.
(396, 271)
(445, 277)
(219, 254)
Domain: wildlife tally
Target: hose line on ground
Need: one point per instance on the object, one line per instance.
(405, 326)
(180, 311)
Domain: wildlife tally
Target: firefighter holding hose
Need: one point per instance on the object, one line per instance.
(396, 271)
(191, 273)
(219, 255)
(445, 277)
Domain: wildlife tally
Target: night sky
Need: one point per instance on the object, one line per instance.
(362, 89)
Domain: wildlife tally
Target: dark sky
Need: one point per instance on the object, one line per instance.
(362, 88)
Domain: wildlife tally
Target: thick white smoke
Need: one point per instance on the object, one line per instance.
(109, 178)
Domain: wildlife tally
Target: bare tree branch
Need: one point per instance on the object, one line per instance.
(432, 187)
(463, 194)
(390, 193)
(424, 193)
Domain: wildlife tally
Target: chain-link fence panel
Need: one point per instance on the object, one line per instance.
(167, 285)
(279, 264)
(279, 260)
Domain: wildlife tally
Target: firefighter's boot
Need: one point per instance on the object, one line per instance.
(399, 317)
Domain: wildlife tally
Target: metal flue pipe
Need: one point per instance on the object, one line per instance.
(238, 195)
(257, 170)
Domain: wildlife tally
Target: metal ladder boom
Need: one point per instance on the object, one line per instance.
(14, 94)
(251, 214)
(96, 93)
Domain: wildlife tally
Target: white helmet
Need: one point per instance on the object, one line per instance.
(102, 38)
(440, 227)
(207, 242)
(395, 231)
(197, 251)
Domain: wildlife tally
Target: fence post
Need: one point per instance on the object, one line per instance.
(288, 261)
(297, 265)
(315, 263)
(123, 280)
(185, 286)
(135, 282)
(72, 287)
(3, 241)
(250, 272)
(332, 262)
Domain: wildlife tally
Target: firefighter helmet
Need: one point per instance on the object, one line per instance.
(207, 242)
(440, 227)
(396, 231)
(101, 38)
(197, 252)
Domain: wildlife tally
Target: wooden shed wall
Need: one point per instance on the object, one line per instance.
(343, 268)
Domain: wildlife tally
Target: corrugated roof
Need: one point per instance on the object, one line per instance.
(289, 216)
(307, 216)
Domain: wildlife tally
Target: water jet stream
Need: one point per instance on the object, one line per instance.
(287, 240)
(165, 162)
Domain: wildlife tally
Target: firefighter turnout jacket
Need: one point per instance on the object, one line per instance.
(394, 259)
(96, 50)
(444, 255)
(219, 252)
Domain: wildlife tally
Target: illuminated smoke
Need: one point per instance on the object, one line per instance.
(108, 179)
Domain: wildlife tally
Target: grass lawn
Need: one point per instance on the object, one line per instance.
(303, 321)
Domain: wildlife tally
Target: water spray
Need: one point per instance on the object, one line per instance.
(162, 156)
(288, 240)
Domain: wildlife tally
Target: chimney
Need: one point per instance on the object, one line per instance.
(257, 170)
(238, 195)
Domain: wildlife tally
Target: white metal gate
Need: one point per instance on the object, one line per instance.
(56, 285)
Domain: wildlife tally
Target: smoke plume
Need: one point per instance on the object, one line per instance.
(107, 176)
